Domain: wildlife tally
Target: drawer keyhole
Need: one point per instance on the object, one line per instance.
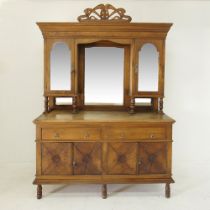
(56, 135)
(122, 135)
(87, 135)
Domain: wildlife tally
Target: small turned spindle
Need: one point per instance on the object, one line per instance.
(46, 101)
(132, 106)
(154, 104)
(51, 103)
(161, 105)
(74, 104)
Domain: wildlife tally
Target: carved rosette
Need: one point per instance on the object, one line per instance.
(104, 12)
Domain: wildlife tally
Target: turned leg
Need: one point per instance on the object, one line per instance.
(39, 191)
(167, 190)
(104, 191)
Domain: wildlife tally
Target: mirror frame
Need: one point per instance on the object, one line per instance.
(81, 44)
(49, 43)
(159, 47)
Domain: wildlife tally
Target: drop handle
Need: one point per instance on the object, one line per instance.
(122, 135)
(87, 135)
(74, 164)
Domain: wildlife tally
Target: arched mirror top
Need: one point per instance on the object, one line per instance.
(103, 42)
(58, 44)
(150, 44)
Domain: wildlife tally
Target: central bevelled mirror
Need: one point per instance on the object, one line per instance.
(104, 75)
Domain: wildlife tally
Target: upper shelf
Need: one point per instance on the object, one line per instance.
(104, 26)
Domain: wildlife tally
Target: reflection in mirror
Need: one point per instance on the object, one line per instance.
(104, 75)
(63, 101)
(148, 68)
(60, 72)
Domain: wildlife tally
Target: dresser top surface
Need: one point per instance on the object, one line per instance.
(59, 116)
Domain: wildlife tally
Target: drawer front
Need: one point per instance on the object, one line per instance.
(135, 133)
(71, 133)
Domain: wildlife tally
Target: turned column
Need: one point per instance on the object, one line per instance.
(46, 101)
(132, 106)
(74, 104)
(161, 105)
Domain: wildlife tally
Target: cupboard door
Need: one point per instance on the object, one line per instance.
(152, 158)
(87, 158)
(121, 158)
(56, 158)
(148, 77)
(60, 67)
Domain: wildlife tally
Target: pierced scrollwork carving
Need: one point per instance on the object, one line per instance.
(104, 12)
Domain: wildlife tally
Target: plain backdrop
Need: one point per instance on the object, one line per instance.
(187, 100)
(187, 72)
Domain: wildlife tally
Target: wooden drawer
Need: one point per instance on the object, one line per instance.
(71, 133)
(135, 133)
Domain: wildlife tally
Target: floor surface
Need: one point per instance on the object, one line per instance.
(190, 192)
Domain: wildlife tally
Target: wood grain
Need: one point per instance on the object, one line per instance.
(103, 143)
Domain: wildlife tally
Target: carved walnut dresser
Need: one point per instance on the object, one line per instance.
(103, 143)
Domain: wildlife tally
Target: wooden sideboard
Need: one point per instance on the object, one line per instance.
(103, 147)
(128, 140)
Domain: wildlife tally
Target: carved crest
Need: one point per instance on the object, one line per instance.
(104, 12)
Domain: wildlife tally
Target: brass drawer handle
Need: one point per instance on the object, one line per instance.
(56, 135)
(122, 135)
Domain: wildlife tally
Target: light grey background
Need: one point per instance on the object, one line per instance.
(187, 95)
(187, 99)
